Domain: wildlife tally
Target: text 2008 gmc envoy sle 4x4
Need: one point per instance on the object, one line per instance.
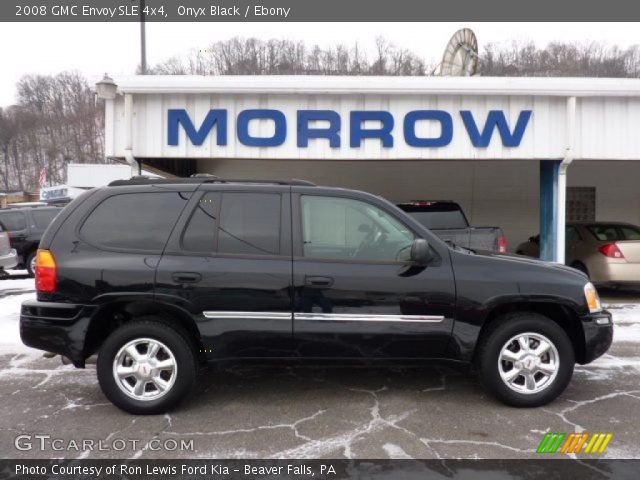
(159, 276)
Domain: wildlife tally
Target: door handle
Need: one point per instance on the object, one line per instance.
(318, 281)
(186, 277)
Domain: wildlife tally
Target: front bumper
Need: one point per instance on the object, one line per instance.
(56, 327)
(9, 260)
(598, 335)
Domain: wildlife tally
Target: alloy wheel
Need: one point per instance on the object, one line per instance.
(145, 369)
(528, 363)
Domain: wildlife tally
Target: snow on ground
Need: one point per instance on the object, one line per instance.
(626, 320)
(13, 291)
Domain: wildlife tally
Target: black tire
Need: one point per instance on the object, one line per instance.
(28, 262)
(179, 344)
(492, 343)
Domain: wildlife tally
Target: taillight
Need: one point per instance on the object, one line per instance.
(46, 274)
(502, 244)
(610, 250)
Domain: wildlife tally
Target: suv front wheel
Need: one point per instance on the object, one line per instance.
(147, 367)
(525, 359)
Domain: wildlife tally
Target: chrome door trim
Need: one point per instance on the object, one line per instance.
(223, 314)
(331, 317)
(366, 317)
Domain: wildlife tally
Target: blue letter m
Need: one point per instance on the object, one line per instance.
(495, 119)
(180, 116)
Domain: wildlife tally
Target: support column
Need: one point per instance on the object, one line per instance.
(549, 201)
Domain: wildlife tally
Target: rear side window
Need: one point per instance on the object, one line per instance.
(613, 232)
(199, 235)
(236, 223)
(134, 221)
(13, 221)
(630, 233)
(43, 218)
(250, 223)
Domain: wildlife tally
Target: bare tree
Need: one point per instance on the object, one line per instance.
(251, 56)
(55, 121)
(559, 59)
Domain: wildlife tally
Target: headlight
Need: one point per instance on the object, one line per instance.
(592, 298)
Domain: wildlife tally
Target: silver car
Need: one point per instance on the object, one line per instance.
(8, 255)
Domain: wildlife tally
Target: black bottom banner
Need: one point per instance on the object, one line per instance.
(546, 469)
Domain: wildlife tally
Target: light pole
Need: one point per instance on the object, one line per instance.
(143, 40)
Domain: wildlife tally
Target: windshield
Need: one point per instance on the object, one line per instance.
(614, 232)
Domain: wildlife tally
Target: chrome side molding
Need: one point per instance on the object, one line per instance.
(332, 317)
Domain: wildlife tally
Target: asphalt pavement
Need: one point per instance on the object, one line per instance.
(50, 410)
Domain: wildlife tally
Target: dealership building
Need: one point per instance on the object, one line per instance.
(525, 154)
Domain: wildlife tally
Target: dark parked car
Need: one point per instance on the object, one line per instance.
(159, 276)
(448, 221)
(26, 226)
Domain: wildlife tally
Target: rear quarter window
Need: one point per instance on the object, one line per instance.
(134, 221)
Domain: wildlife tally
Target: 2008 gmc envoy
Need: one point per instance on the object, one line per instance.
(160, 276)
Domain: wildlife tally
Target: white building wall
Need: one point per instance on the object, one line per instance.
(608, 115)
(617, 188)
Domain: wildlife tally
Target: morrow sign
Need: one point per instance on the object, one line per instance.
(327, 125)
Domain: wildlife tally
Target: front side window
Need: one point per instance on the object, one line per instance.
(346, 229)
(572, 235)
(13, 221)
(134, 221)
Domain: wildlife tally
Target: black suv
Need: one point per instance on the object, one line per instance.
(25, 227)
(159, 276)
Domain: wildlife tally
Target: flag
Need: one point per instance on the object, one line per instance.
(42, 178)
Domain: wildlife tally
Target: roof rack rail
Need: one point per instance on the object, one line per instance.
(145, 180)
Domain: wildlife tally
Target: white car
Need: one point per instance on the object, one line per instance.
(8, 255)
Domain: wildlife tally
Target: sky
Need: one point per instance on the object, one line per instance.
(96, 48)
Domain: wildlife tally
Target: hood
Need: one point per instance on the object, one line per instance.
(534, 262)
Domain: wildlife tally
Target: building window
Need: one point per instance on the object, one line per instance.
(581, 204)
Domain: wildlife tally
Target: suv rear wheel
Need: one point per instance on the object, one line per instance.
(147, 367)
(525, 359)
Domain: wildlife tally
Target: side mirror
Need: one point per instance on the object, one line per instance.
(420, 251)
